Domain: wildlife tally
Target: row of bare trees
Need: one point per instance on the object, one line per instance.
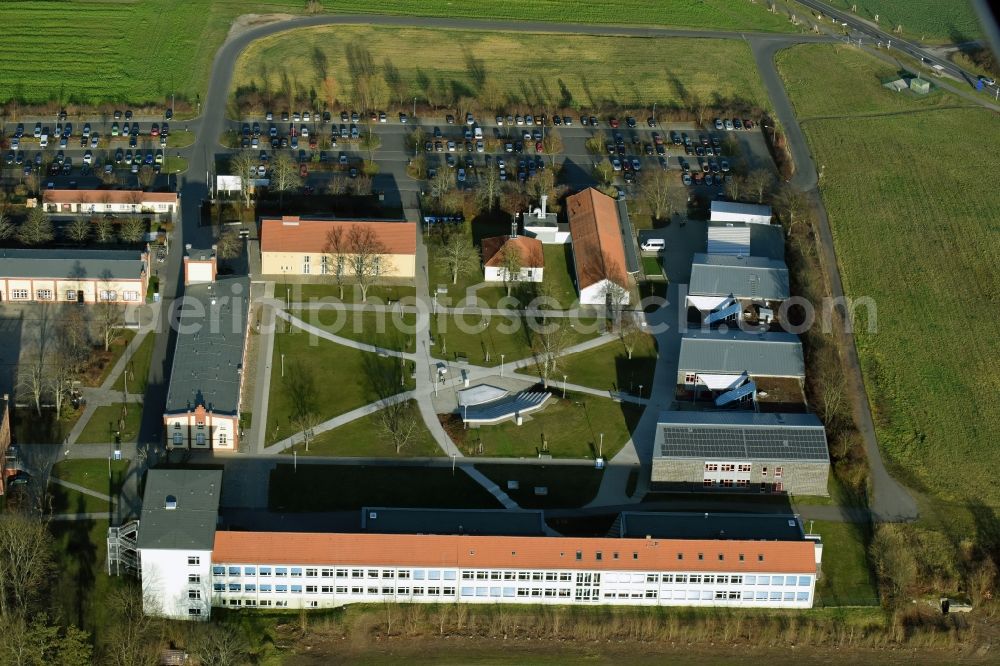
(356, 254)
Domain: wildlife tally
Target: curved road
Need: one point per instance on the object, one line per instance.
(890, 501)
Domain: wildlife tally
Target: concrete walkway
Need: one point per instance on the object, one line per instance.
(262, 382)
(346, 342)
(79, 488)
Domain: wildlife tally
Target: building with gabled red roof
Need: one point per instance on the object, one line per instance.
(598, 250)
(297, 246)
(530, 258)
(92, 202)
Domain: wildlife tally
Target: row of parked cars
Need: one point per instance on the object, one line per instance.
(730, 124)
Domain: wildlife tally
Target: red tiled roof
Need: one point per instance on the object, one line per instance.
(107, 196)
(598, 252)
(293, 234)
(505, 552)
(529, 248)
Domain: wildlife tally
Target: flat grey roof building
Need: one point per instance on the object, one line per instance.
(489, 522)
(731, 435)
(756, 278)
(179, 509)
(72, 263)
(734, 211)
(766, 240)
(733, 352)
(742, 526)
(208, 358)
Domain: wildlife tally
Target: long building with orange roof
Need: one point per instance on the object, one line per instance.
(648, 559)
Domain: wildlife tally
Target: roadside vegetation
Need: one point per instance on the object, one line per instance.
(930, 21)
(910, 234)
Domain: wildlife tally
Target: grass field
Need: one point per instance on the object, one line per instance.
(92, 474)
(304, 292)
(570, 427)
(915, 230)
(345, 487)
(389, 330)
(570, 71)
(137, 367)
(94, 50)
(847, 578)
(361, 439)
(568, 486)
(331, 397)
(931, 20)
(102, 425)
(609, 366)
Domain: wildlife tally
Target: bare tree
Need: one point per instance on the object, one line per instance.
(759, 182)
(31, 638)
(7, 227)
(32, 368)
(368, 257)
(548, 344)
(630, 333)
(656, 188)
(442, 183)
(510, 265)
(146, 176)
(336, 249)
(229, 245)
(37, 229)
(371, 142)
(284, 177)
(397, 84)
(25, 561)
(489, 187)
(220, 645)
(734, 187)
(604, 172)
(397, 420)
(792, 205)
(60, 371)
(132, 229)
(300, 385)
(244, 165)
(553, 144)
(132, 639)
(458, 256)
(78, 230)
(108, 313)
(104, 230)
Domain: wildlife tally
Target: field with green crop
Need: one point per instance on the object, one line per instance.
(501, 68)
(143, 50)
(916, 230)
(931, 20)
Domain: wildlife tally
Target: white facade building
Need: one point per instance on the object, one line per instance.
(731, 211)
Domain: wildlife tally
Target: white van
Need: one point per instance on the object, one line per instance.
(653, 245)
(43, 140)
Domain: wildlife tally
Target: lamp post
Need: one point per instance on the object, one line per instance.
(600, 448)
(453, 457)
(414, 114)
(640, 390)
(564, 386)
(501, 365)
(282, 365)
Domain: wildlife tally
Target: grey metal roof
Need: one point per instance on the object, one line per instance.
(208, 356)
(492, 522)
(741, 436)
(733, 210)
(189, 526)
(766, 240)
(741, 526)
(742, 277)
(759, 354)
(72, 263)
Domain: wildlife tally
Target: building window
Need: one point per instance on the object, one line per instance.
(296, 572)
(265, 571)
(744, 468)
(728, 467)
(43, 294)
(194, 594)
(311, 589)
(234, 571)
(711, 467)
(296, 589)
(108, 295)
(193, 560)
(222, 438)
(71, 294)
(178, 438)
(194, 578)
(281, 571)
(305, 268)
(130, 295)
(778, 472)
(219, 587)
(312, 573)
(690, 378)
(199, 439)
(194, 612)
(19, 294)
(265, 588)
(763, 471)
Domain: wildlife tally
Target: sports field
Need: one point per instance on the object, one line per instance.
(916, 228)
(509, 68)
(144, 50)
(932, 20)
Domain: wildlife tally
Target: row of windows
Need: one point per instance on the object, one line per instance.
(549, 576)
(331, 589)
(71, 295)
(314, 572)
(508, 592)
(745, 468)
(706, 595)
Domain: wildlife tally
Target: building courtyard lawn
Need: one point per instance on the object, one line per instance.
(567, 486)
(348, 487)
(103, 362)
(361, 438)
(847, 579)
(388, 330)
(304, 292)
(137, 367)
(609, 367)
(104, 423)
(570, 427)
(481, 339)
(332, 378)
(92, 474)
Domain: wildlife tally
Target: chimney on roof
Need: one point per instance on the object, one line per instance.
(170, 503)
(545, 200)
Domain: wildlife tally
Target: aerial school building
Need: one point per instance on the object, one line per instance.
(189, 564)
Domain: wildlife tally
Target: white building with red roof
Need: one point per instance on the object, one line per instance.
(598, 251)
(530, 259)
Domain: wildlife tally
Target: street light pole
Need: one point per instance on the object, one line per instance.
(501, 365)
(282, 365)
(564, 386)
(414, 114)
(600, 449)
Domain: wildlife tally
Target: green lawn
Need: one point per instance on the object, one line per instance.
(361, 439)
(137, 367)
(174, 50)
(377, 294)
(847, 579)
(570, 427)
(475, 337)
(70, 501)
(103, 424)
(572, 71)
(317, 364)
(911, 231)
(180, 138)
(347, 487)
(652, 266)
(393, 330)
(559, 274)
(569, 486)
(92, 474)
(105, 361)
(931, 20)
(609, 366)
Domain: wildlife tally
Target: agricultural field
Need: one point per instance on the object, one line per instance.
(933, 21)
(142, 51)
(916, 232)
(498, 68)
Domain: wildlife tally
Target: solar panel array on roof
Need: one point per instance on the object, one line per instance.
(754, 437)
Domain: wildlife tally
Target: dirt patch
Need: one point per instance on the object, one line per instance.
(249, 21)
